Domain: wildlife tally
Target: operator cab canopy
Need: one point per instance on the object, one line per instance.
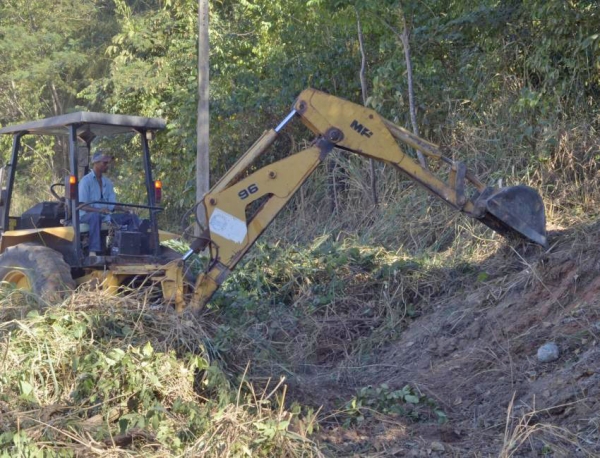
(41, 165)
(99, 124)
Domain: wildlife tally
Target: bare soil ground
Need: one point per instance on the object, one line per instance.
(475, 353)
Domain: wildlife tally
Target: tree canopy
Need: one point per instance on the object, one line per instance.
(525, 67)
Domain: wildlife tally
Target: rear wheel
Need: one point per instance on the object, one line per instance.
(38, 269)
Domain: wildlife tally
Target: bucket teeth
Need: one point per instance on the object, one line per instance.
(515, 210)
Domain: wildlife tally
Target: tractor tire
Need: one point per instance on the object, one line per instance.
(37, 269)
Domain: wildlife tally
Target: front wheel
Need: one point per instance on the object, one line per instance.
(37, 269)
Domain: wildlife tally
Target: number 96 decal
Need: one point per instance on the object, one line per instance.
(245, 193)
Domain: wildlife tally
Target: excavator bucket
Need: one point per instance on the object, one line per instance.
(515, 210)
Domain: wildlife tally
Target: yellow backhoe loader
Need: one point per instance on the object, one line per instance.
(337, 123)
(44, 249)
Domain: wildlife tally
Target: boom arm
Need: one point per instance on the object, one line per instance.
(354, 128)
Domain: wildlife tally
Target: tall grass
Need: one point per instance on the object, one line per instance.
(106, 376)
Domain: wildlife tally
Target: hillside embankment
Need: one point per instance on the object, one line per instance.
(334, 348)
(475, 352)
(416, 357)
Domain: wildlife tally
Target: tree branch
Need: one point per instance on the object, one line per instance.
(404, 39)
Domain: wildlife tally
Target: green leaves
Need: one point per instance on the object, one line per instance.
(108, 384)
(404, 402)
(114, 356)
(533, 61)
(269, 429)
(47, 56)
(25, 388)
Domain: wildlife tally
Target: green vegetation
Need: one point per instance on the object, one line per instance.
(509, 87)
(99, 374)
(296, 306)
(107, 375)
(405, 402)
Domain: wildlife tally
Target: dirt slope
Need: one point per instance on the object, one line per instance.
(475, 353)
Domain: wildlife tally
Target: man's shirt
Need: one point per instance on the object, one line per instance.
(90, 191)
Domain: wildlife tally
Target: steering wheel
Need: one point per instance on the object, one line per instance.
(55, 194)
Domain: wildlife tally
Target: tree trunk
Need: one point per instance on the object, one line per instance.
(363, 85)
(404, 39)
(411, 92)
(60, 161)
(202, 126)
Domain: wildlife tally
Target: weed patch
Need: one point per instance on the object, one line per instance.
(99, 379)
(406, 402)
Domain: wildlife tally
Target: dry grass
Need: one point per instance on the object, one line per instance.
(520, 432)
(111, 376)
(332, 345)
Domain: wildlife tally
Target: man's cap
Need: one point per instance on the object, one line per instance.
(101, 157)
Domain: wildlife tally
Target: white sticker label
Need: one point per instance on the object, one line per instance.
(227, 226)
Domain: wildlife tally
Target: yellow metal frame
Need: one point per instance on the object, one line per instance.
(13, 238)
(362, 131)
(338, 123)
(112, 277)
(169, 276)
(278, 182)
(16, 237)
